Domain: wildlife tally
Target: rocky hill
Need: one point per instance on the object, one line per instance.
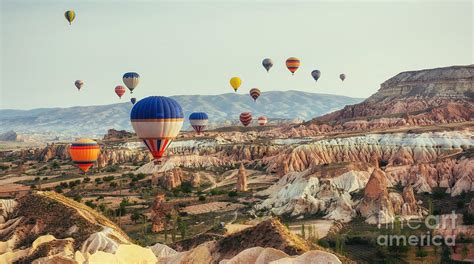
(222, 109)
(46, 227)
(432, 96)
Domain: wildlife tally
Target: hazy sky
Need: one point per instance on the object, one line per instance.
(194, 47)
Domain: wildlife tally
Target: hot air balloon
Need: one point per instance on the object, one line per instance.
(133, 100)
(235, 82)
(267, 64)
(262, 120)
(246, 118)
(316, 74)
(119, 90)
(70, 15)
(157, 120)
(292, 64)
(84, 153)
(79, 84)
(255, 93)
(198, 121)
(131, 80)
(342, 76)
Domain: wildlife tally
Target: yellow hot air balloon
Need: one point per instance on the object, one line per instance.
(235, 82)
(70, 15)
(84, 153)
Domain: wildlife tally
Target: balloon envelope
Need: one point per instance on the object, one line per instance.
(131, 80)
(119, 90)
(235, 82)
(267, 64)
(245, 118)
(157, 120)
(255, 93)
(133, 100)
(293, 64)
(84, 153)
(262, 120)
(342, 76)
(70, 15)
(199, 121)
(316, 74)
(79, 84)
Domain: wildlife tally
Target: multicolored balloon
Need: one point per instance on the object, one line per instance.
(84, 153)
(262, 120)
(246, 118)
(120, 90)
(316, 74)
(255, 93)
(293, 64)
(267, 64)
(133, 100)
(342, 76)
(235, 82)
(199, 121)
(157, 120)
(70, 15)
(79, 84)
(131, 80)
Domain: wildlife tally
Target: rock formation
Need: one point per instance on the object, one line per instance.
(113, 134)
(379, 206)
(171, 179)
(160, 211)
(241, 185)
(440, 95)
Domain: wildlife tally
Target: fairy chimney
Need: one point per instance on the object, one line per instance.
(242, 179)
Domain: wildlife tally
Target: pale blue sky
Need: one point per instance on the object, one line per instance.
(194, 47)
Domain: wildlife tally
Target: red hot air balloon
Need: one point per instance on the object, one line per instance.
(293, 64)
(120, 90)
(246, 118)
(262, 120)
(255, 93)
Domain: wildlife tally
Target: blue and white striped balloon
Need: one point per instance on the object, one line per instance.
(131, 80)
(199, 121)
(157, 120)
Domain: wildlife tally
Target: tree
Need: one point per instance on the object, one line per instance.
(182, 227)
(464, 251)
(135, 216)
(303, 235)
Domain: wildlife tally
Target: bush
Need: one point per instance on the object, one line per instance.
(113, 184)
(186, 187)
(460, 204)
(55, 165)
(58, 189)
(77, 198)
(37, 179)
(98, 180)
(468, 219)
(108, 178)
(421, 253)
(439, 193)
(90, 204)
(202, 198)
(232, 194)
(86, 180)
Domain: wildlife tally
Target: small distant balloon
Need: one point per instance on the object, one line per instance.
(79, 84)
(267, 64)
(342, 76)
(70, 15)
(316, 74)
(120, 90)
(131, 80)
(262, 120)
(235, 82)
(293, 64)
(245, 118)
(255, 93)
(199, 121)
(133, 100)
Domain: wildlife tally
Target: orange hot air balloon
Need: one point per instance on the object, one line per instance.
(120, 90)
(292, 64)
(84, 153)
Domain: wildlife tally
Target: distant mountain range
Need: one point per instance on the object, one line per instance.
(222, 109)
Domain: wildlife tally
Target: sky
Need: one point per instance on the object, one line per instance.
(195, 47)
